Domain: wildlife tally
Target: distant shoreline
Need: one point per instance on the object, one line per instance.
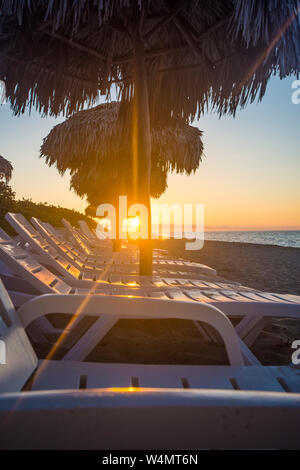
(289, 238)
(172, 239)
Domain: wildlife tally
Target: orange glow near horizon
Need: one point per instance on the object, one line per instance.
(130, 225)
(233, 215)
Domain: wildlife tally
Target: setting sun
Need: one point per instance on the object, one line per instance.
(132, 224)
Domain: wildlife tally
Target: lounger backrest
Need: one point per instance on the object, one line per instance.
(28, 233)
(59, 236)
(55, 231)
(51, 229)
(4, 235)
(83, 239)
(67, 245)
(22, 263)
(63, 247)
(86, 229)
(79, 243)
(17, 358)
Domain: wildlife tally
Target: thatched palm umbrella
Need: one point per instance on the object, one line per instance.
(98, 154)
(96, 136)
(173, 57)
(6, 169)
(104, 185)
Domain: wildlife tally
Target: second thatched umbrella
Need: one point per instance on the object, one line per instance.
(97, 147)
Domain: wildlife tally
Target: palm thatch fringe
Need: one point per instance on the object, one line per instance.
(96, 135)
(56, 55)
(96, 146)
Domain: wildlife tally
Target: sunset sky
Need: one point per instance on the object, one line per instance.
(248, 179)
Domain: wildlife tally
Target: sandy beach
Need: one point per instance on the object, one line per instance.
(263, 267)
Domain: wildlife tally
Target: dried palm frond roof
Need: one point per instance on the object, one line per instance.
(6, 169)
(56, 55)
(104, 185)
(101, 137)
(96, 146)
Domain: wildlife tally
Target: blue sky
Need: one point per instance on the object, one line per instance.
(249, 177)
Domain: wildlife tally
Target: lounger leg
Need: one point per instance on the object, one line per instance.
(208, 333)
(255, 331)
(249, 357)
(202, 331)
(91, 338)
(246, 324)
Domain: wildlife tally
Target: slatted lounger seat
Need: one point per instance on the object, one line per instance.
(79, 278)
(234, 406)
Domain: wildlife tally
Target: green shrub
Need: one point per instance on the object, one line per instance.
(7, 203)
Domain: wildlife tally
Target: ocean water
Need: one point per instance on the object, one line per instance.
(282, 238)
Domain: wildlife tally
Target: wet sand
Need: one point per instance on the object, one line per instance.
(270, 268)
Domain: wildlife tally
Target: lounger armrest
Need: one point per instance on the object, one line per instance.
(135, 307)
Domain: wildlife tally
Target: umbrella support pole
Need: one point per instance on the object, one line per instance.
(116, 245)
(143, 133)
(117, 242)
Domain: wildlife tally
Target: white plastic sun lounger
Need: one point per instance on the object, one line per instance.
(43, 281)
(65, 248)
(252, 307)
(47, 404)
(50, 259)
(125, 261)
(86, 230)
(83, 243)
(76, 239)
(85, 279)
(159, 262)
(159, 256)
(88, 235)
(91, 242)
(30, 235)
(130, 248)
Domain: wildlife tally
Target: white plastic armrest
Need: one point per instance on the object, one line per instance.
(135, 307)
